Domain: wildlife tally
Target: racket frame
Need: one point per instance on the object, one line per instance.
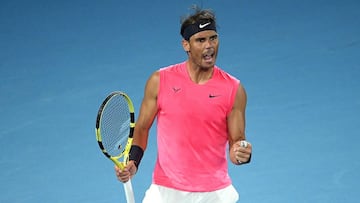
(129, 194)
(125, 152)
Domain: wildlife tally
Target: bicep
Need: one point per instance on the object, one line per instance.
(148, 111)
(236, 118)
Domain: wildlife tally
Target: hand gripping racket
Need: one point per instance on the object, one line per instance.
(115, 125)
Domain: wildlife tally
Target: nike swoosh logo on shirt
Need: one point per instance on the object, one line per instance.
(214, 95)
(204, 25)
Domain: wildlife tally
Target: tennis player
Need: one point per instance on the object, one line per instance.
(200, 111)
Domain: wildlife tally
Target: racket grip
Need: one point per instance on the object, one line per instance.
(129, 193)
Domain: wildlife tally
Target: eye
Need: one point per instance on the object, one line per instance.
(200, 39)
(212, 38)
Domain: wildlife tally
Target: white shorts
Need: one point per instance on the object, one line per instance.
(161, 194)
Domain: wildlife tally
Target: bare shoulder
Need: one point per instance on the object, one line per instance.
(154, 77)
(152, 84)
(241, 97)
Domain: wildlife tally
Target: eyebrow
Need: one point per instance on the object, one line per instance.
(212, 36)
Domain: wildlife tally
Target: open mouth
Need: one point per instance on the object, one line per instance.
(208, 57)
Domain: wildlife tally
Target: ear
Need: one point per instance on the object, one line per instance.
(185, 45)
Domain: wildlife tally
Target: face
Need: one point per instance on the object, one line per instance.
(202, 48)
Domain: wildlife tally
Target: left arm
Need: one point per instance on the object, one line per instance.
(236, 129)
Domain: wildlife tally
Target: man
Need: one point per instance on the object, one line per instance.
(200, 110)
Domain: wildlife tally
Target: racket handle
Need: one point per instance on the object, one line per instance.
(129, 193)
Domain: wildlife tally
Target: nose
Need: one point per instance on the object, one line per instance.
(209, 44)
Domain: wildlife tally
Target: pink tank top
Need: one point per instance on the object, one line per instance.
(192, 130)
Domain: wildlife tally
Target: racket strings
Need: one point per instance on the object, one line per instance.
(115, 122)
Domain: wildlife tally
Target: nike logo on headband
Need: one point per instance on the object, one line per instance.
(196, 27)
(204, 25)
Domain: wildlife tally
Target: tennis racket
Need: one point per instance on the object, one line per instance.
(115, 125)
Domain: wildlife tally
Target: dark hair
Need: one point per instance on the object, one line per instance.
(198, 16)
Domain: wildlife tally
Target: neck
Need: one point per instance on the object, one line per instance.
(199, 75)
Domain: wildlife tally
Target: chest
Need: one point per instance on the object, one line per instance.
(208, 102)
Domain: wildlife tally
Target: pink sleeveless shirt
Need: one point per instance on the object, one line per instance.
(192, 130)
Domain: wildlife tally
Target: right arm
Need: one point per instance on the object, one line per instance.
(148, 111)
(145, 120)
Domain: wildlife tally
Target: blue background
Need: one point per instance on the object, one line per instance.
(298, 60)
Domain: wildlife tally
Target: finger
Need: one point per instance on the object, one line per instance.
(241, 150)
(243, 156)
(123, 176)
(131, 168)
(123, 179)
